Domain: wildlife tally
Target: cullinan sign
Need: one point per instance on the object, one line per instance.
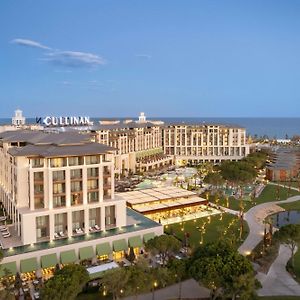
(63, 121)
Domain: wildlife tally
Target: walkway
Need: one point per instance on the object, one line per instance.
(190, 290)
(278, 281)
(255, 217)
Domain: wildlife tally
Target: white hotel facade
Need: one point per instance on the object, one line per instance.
(59, 187)
(195, 143)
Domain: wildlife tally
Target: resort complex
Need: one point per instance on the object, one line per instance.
(60, 206)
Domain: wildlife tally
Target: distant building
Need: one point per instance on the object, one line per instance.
(194, 143)
(18, 119)
(284, 165)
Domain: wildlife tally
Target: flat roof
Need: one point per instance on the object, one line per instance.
(155, 194)
(66, 150)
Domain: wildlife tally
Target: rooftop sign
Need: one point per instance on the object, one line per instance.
(63, 121)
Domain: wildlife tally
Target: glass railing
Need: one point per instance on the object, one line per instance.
(142, 223)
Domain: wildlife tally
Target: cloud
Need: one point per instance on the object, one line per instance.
(74, 59)
(30, 43)
(145, 56)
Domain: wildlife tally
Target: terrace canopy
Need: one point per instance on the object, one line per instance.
(120, 245)
(11, 267)
(86, 253)
(103, 249)
(148, 236)
(68, 257)
(28, 265)
(135, 241)
(49, 261)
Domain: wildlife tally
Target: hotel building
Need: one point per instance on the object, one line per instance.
(204, 142)
(58, 191)
(138, 145)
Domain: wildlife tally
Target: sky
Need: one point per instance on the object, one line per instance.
(171, 58)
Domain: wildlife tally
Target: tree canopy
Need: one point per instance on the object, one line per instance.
(164, 245)
(66, 283)
(220, 268)
(214, 178)
(290, 236)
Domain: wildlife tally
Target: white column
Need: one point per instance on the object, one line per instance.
(102, 214)
(68, 188)
(84, 185)
(51, 226)
(86, 220)
(69, 221)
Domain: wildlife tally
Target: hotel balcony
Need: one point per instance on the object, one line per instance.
(60, 226)
(76, 198)
(78, 222)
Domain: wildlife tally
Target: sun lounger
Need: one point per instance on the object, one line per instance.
(3, 229)
(56, 235)
(61, 234)
(97, 227)
(6, 235)
(4, 232)
(90, 229)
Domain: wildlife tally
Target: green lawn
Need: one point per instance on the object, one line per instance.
(269, 194)
(279, 298)
(213, 230)
(291, 206)
(289, 183)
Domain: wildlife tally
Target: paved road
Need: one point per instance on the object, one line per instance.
(190, 290)
(278, 281)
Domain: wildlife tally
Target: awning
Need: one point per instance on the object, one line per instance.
(28, 265)
(103, 249)
(48, 261)
(120, 245)
(148, 236)
(97, 271)
(11, 267)
(68, 257)
(86, 253)
(135, 241)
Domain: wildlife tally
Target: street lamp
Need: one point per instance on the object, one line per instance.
(153, 289)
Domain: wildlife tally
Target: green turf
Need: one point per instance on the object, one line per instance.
(291, 206)
(289, 183)
(279, 298)
(213, 231)
(269, 194)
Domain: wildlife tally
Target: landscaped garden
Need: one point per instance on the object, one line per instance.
(270, 193)
(209, 229)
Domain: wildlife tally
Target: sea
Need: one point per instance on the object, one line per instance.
(278, 128)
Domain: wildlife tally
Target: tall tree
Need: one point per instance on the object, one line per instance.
(219, 267)
(114, 281)
(178, 268)
(290, 236)
(66, 283)
(164, 245)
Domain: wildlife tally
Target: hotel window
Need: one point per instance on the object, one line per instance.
(110, 216)
(58, 162)
(38, 202)
(42, 227)
(59, 201)
(76, 174)
(93, 197)
(75, 161)
(58, 175)
(60, 223)
(77, 219)
(37, 162)
(76, 186)
(38, 189)
(59, 188)
(92, 172)
(92, 159)
(38, 176)
(92, 184)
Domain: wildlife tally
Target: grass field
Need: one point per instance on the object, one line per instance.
(203, 230)
(289, 183)
(269, 194)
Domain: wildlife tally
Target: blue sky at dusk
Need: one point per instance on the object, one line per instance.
(166, 58)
